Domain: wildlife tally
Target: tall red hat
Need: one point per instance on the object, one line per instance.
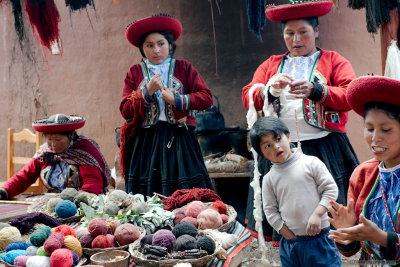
(58, 123)
(298, 10)
(162, 23)
(372, 89)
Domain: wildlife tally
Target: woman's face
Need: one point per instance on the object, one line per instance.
(57, 142)
(299, 37)
(382, 134)
(156, 48)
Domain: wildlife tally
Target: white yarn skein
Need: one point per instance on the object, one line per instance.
(38, 261)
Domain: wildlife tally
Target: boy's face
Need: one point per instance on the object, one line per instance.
(275, 149)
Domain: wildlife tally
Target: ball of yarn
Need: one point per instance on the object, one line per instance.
(66, 209)
(2, 225)
(81, 197)
(65, 230)
(111, 238)
(11, 255)
(97, 226)
(224, 218)
(86, 241)
(191, 220)
(38, 261)
(184, 228)
(21, 260)
(209, 219)
(53, 242)
(52, 203)
(31, 251)
(140, 207)
(40, 235)
(101, 241)
(125, 234)
(111, 208)
(164, 238)
(220, 206)
(8, 235)
(206, 243)
(73, 244)
(81, 232)
(146, 240)
(18, 245)
(180, 211)
(117, 196)
(194, 208)
(69, 193)
(41, 252)
(112, 225)
(61, 258)
(75, 258)
(185, 242)
(178, 218)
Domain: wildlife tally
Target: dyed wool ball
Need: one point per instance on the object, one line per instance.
(220, 207)
(117, 196)
(81, 232)
(41, 252)
(73, 244)
(206, 243)
(140, 207)
(194, 208)
(65, 230)
(75, 258)
(185, 242)
(61, 258)
(40, 235)
(53, 242)
(69, 193)
(209, 219)
(184, 228)
(66, 209)
(112, 225)
(97, 226)
(81, 197)
(8, 235)
(86, 241)
(38, 261)
(146, 240)
(101, 241)
(111, 208)
(18, 245)
(224, 218)
(164, 238)
(111, 238)
(2, 225)
(178, 218)
(21, 260)
(31, 251)
(125, 234)
(52, 203)
(11, 255)
(191, 220)
(180, 211)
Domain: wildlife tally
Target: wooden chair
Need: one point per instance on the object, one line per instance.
(24, 135)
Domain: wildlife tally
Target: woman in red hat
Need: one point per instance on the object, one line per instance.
(306, 88)
(371, 219)
(159, 149)
(66, 159)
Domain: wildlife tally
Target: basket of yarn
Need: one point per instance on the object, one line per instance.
(209, 215)
(184, 244)
(106, 235)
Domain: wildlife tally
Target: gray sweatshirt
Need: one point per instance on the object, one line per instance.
(292, 190)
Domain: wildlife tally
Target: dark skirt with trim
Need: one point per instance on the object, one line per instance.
(339, 157)
(165, 158)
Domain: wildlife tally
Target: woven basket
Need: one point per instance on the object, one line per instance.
(141, 260)
(2, 262)
(91, 251)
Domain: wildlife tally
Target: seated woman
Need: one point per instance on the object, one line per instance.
(66, 159)
(371, 219)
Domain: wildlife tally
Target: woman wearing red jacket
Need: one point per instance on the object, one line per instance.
(66, 159)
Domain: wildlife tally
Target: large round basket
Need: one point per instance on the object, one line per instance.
(3, 262)
(91, 251)
(141, 260)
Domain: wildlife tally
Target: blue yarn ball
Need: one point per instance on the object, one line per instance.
(11, 255)
(65, 209)
(18, 245)
(2, 256)
(75, 258)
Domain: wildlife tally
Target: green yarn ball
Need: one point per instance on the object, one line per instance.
(41, 252)
(40, 235)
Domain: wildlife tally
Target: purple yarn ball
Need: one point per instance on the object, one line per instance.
(75, 258)
(164, 238)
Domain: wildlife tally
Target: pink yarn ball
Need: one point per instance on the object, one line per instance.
(111, 238)
(209, 219)
(53, 242)
(180, 211)
(101, 241)
(224, 218)
(125, 234)
(61, 258)
(178, 218)
(112, 225)
(194, 208)
(191, 220)
(21, 260)
(97, 227)
(164, 238)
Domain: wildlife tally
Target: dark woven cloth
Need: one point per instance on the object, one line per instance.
(339, 157)
(165, 158)
(26, 222)
(256, 16)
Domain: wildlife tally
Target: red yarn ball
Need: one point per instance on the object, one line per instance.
(53, 242)
(125, 234)
(97, 227)
(101, 241)
(224, 218)
(191, 220)
(61, 257)
(194, 208)
(220, 207)
(65, 230)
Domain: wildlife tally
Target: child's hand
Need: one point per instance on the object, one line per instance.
(314, 225)
(154, 84)
(168, 96)
(342, 217)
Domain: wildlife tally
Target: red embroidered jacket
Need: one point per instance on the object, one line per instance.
(328, 108)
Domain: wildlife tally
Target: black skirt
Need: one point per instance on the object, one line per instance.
(339, 157)
(165, 158)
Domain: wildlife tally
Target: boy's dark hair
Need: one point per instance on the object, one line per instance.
(167, 36)
(393, 111)
(313, 21)
(264, 126)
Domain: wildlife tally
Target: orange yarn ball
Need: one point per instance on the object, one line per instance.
(220, 206)
(65, 230)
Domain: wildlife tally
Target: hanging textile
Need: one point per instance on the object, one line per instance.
(392, 69)
(18, 21)
(75, 5)
(256, 16)
(44, 18)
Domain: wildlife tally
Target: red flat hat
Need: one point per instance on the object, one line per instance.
(58, 123)
(298, 10)
(161, 23)
(372, 89)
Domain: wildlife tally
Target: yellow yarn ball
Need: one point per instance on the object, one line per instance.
(70, 242)
(8, 235)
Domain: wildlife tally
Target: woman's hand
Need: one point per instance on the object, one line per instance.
(365, 231)
(155, 84)
(301, 89)
(282, 80)
(168, 96)
(342, 216)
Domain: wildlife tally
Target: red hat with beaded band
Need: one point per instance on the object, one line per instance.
(372, 89)
(58, 123)
(298, 10)
(161, 23)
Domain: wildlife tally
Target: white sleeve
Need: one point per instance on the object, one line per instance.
(270, 205)
(326, 185)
